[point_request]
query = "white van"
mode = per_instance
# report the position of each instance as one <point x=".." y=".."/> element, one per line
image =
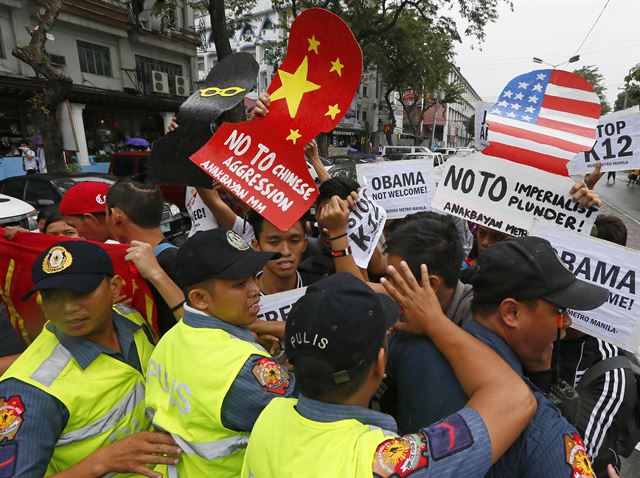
<point x="394" y="153"/>
<point x="15" y="212"/>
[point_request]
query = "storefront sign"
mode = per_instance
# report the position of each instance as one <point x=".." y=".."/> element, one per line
<point x="507" y="196"/>
<point x="608" y="265"/>
<point x="400" y="187"/>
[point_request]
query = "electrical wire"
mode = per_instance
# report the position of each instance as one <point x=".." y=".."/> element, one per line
<point x="592" y="27"/>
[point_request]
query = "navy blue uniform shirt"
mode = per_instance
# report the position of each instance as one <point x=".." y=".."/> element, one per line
<point x="428" y="390"/>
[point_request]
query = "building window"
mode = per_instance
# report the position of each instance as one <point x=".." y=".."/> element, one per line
<point x="364" y="116"/>
<point x="268" y="24"/>
<point x="247" y="33"/>
<point x="364" y="91"/>
<point x="94" y="59"/>
<point x="2" y="53"/>
<point x="144" y="67"/>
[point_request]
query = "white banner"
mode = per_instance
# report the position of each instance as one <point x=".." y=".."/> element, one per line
<point x="277" y="306"/>
<point x="481" y="125"/>
<point x="617" y="145"/>
<point x="365" y="228"/>
<point x="400" y="187"/>
<point x="611" y="266"/>
<point x="508" y="196"/>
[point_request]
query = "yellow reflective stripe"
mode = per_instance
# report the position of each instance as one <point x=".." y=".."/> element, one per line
<point x="53" y="366"/>
<point x="109" y="420"/>
<point x="213" y="449"/>
<point x="14" y="316"/>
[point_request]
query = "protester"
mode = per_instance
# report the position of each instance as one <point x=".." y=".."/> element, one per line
<point x="64" y="398"/>
<point x="56" y="225"/>
<point x="83" y="207"/>
<point x="633" y="177"/>
<point x="336" y="339"/>
<point x="134" y="212"/>
<point x="44" y="214"/>
<point x="221" y="378"/>
<point x="521" y="293"/>
<point x="29" y="160"/>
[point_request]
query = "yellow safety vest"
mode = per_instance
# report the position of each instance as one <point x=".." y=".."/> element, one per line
<point x="284" y="443"/>
<point x="190" y="373"/>
<point x="105" y="401"/>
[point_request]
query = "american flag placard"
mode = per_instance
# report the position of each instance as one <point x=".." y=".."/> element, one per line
<point x="542" y="119"/>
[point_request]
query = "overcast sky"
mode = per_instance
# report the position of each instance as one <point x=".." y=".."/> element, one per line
<point x="553" y="30"/>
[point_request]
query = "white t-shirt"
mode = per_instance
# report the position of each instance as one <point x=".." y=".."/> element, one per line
<point x="29" y="163"/>
<point x="202" y="219"/>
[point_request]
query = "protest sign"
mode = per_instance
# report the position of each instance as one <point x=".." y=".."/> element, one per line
<point x="617" y="146"/>
<point x="507" y="196"/>
<point x="262" y="161"/>
<point x="276" y="307"/>
<point x="481" y="126"/>
<point x="608" y="265"/>
<point x="225" y="86"/>
<point x="365" y="227"/>
<point x="542" y="119"/>
<point x="16" y="261"/>
<point x="400" y="187"/>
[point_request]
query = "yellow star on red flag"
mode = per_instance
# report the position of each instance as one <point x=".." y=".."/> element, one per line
<point x="337" y="67"/>
<point x="333" y="111"/>
<point x="294" y="134"/>
<point x="294" y="86"/>
<point x="313" y="44"/>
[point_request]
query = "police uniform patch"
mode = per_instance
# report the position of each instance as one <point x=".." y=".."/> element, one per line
<point x="401" y="456"/>
<point x="8" y="457"/>
<point x="576" y="457"/>
<point x="271" y="375"/>
<point x="10" y="417"/>
<point x="58" y="259"/>
<point x="448" y="437"/>
<point x="235" y="240"/>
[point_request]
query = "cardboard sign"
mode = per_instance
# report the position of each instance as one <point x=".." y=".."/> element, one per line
<point x="481" y="125"/>
<point x="400" y="187"/>
<point x="225" y="86"/>
<point x="365" y="228"/>
<point x="617" y="146"/>
<point x="608" y="265"/>
<point x="277" y="306"/>
<point x="262" y="161"/>
<point x="507" y="196"/>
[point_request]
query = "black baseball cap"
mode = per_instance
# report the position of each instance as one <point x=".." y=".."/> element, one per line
<point x="342" y="322"/>
<point x="76" y="266"/>
<point x="218" y="254"/>
<point x="527" y="268"/>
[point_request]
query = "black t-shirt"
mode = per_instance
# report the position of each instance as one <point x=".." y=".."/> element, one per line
<point x="10" y="341"/>
<point x="167" y="260"/>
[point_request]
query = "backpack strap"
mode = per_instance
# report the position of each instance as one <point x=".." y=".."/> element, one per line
<point x="163" y="246"/>
<point x="602" y="367"/>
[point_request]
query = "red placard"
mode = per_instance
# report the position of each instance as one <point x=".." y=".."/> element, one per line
<point x="262" y="161"/>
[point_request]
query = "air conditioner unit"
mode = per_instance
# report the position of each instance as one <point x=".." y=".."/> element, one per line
<point x="182" y="86"/>
<point x="159" y="82"/>
<point x="57" y="60"/>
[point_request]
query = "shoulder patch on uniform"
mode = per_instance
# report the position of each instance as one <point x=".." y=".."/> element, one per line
<point x="271" y="376"/>
<point x="576" y="457"/>
<point x="401" y="456"/>
<point x="8" y="458"/>
<point x="10" y="417"/>
<point x="448" y="437"/>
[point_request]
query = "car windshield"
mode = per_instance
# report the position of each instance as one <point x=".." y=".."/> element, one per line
<point x="67" y="182"/>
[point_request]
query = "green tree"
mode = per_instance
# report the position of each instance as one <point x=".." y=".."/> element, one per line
<point x="631" y="94"/>
<point x="595" y="79"/>
<point x="57" y="85"/>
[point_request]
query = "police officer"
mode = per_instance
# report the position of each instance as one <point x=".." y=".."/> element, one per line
<point x="208" y="380"/>
<point x="69" y="401"/>
<point x="521" y="294"/>
<point x="336" y="339"/>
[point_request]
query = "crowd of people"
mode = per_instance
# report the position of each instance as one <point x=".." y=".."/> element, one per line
<point x="451" y="354"/>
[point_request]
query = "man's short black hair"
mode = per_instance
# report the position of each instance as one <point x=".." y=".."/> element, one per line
<point x="141" y="201"/>
<point x="308" y="368"/>
<point x="55" y="217"/>
<point x="611" y="228"/>
<point x="257" y="222"/>
<point x="340" y="186"/>
<point x="47" y="212"/>
<point x="431" y="239"/>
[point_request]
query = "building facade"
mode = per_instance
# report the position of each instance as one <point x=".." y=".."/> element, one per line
<point x="128" y="77"/>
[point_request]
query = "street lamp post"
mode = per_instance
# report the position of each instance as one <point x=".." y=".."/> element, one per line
<point x="573" y="59"/>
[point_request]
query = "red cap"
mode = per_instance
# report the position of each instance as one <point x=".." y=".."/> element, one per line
<point x="84" y="197"/>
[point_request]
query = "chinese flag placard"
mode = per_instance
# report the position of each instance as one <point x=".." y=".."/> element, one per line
<point x="262" y="161"/>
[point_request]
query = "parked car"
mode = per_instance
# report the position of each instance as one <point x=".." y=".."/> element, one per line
<point x="41" y="190"/>
<point x="438" y="159"/>
<point x="464" y="151"/>
<point x="445" y="151"/>
<point x="344" y="170"/>
<point x="15" y="212"/>
<point x="133" y="163"/>
<point x="394" y="153"/>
